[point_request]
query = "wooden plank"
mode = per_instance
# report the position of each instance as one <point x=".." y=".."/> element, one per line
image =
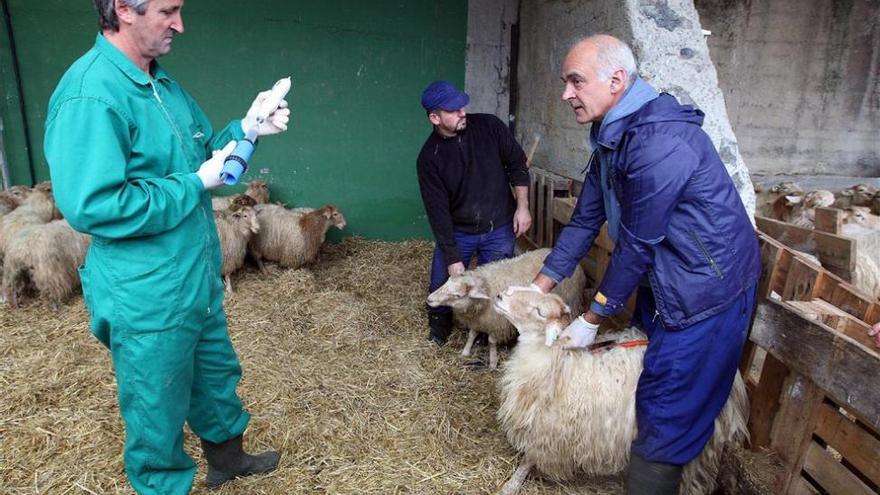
<point x="834" y="251"/>
<point x="563" y="208"/>
<point x="841" y="366"/>
<point x="800" y="486"/>
<point x="854" y="443"/>
<point x="542" y="207"/>
<point x="829" y="220"/>
<point x="851" y="300"/>
<point x="771" y="253"/>
<point x="872" y="314"/>
<point x="792" y="426"/>
<point x="801" y="282"/>
<point x="835" y="478"/>
<point x="765" y="401"/>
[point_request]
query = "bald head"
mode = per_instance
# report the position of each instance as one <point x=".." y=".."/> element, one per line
<point x="597" y="71"/>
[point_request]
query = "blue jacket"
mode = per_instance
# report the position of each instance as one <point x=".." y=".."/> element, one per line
<point x="682" y="223"/>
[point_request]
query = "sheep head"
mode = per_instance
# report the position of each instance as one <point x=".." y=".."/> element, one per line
<point x="242" y="201"/>
<point x="258" y="190"/>
<point x="333" y="216"/>
<point x="784" y="188"/>
<point x="820" y="198"/>
<point x="536" y="316"/>
<point x="246" y="218"/>
<point x="862" y="194"/>
<point x="461" y="291"/>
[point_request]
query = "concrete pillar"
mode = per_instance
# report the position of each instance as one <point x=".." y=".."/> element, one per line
<point x="487" y="69"/>
<point x="667" y="40"/>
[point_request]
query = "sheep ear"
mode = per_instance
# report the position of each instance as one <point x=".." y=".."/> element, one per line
<point x="478" y="292"/>
<point x="551" y="332"/>
<point x="539" y="313"/>
<point x="793" y="200"/>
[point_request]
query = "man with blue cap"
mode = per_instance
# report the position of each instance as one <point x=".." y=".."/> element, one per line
<point x="466" y="169"/>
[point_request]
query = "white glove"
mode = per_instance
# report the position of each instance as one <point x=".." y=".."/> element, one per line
<point x="209" y="171"/>
<point x="276" y="123"/>
<point x="580" y="333"/>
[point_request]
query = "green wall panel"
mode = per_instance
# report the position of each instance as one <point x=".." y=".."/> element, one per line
<point x="358" y="69"/>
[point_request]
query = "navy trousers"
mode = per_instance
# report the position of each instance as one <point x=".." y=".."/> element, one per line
<point x="686" y="379"/>
<point x="491" y="246"/>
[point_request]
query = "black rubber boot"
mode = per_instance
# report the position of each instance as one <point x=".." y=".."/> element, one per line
<point x="652" y="478"/>
<point x="228" y="460"/>
<point x="441" y="326"/>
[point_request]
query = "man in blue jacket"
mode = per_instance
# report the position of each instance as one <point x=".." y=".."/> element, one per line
<point x="683" y="240"/>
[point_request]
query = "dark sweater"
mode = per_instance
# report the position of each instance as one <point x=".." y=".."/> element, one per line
<point x="465" y="180"/>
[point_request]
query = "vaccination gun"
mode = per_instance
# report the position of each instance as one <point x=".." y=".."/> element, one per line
<point x="237" y="162"/>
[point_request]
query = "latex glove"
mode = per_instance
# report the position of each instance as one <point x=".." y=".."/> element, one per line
<point x="455" y="269"/>
<point x="580" y="333"/>
<point x="209" y="171"/>
<point x="275" y="124"/>
<point x="522" y="220"/>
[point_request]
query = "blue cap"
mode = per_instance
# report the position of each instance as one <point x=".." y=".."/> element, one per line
<point x="443" y="95"/>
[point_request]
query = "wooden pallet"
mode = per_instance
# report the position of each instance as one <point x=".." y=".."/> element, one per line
<point x="545" y="186"/>
<point x="815" y="403"/>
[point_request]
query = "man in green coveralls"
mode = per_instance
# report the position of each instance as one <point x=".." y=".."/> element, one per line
<point x="130" y="156"/>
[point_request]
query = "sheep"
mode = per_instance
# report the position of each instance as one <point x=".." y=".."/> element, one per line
<point x="235" y="228"/>
<point x="572" y="412"/>
<point x="764" y="199"/>
<point x="44" y="257"/>
<point x="857" y="195"/>
<point x="861" y="216"/>
<point x="12" y="198"/>
<point x="875" y="204"/>
<point x="291" y="238"/>
<point x="471" y="295"/>
<point x="803" y="213"/>
<point x="257" y="189"/>
<point x="783" y="206"/>
<point x="38" y="208"/>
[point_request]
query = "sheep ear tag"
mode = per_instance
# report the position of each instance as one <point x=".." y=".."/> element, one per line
<point x="551" y="333"/>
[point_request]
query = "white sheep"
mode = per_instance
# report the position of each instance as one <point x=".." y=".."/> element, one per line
<point x="44" y="258"/>
<point x="471" y="294"/>
<point x="256" y="189"/>
<point x="573" y="412"/>
<point x="764" y="199"/>
<point x="292" y="238"/>
<point x="235" y="229"/>
<point x="803" y="213"/>
<point x="38" y="208"/>
<point x="12" y="198"/>
<point x="857" y="195"/>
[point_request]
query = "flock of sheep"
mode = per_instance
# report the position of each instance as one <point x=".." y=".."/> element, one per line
<point x="568" y="412"/>
<point x="788" y="202"/>
<point x="41" y="253"/>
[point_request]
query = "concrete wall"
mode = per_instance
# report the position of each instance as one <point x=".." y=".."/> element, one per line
<point x="667" y="40"/>
<point x="802" y="82"/>
<point x="487" y="67"/>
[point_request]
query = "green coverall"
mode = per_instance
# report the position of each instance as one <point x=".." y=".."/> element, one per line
<point x="122" y="152"/>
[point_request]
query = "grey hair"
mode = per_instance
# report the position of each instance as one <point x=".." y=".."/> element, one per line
<point x="107" y="12"/>
<point x="613" y="54"/>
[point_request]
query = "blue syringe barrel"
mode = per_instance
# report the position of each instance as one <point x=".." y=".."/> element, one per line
<point x="237" y="162"/>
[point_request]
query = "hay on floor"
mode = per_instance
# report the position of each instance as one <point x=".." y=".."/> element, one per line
<point x="338" y="376"/>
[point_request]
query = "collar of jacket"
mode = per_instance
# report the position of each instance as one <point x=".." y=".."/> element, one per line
<point x="125" y="64"/>
<point x="609" y="131"/>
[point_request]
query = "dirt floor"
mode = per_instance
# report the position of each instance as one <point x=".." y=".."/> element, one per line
<point x="338" y="376"/>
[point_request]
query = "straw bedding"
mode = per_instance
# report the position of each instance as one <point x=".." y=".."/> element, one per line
<point x="337" y="375"/>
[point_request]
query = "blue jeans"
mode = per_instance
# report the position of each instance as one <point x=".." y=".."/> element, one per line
<point x="687" y="377"/>
<point x="491" y="246"/>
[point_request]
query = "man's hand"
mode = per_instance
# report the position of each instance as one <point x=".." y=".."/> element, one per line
<point x="580" y="333"/>
<point x="209" y="171"/>
<point x="522" y="220"/>
<point x="875" y="332"/>
<point x="543" y="282"/>
<point x="276" y="123"/>
<point x="456" y="269"/>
